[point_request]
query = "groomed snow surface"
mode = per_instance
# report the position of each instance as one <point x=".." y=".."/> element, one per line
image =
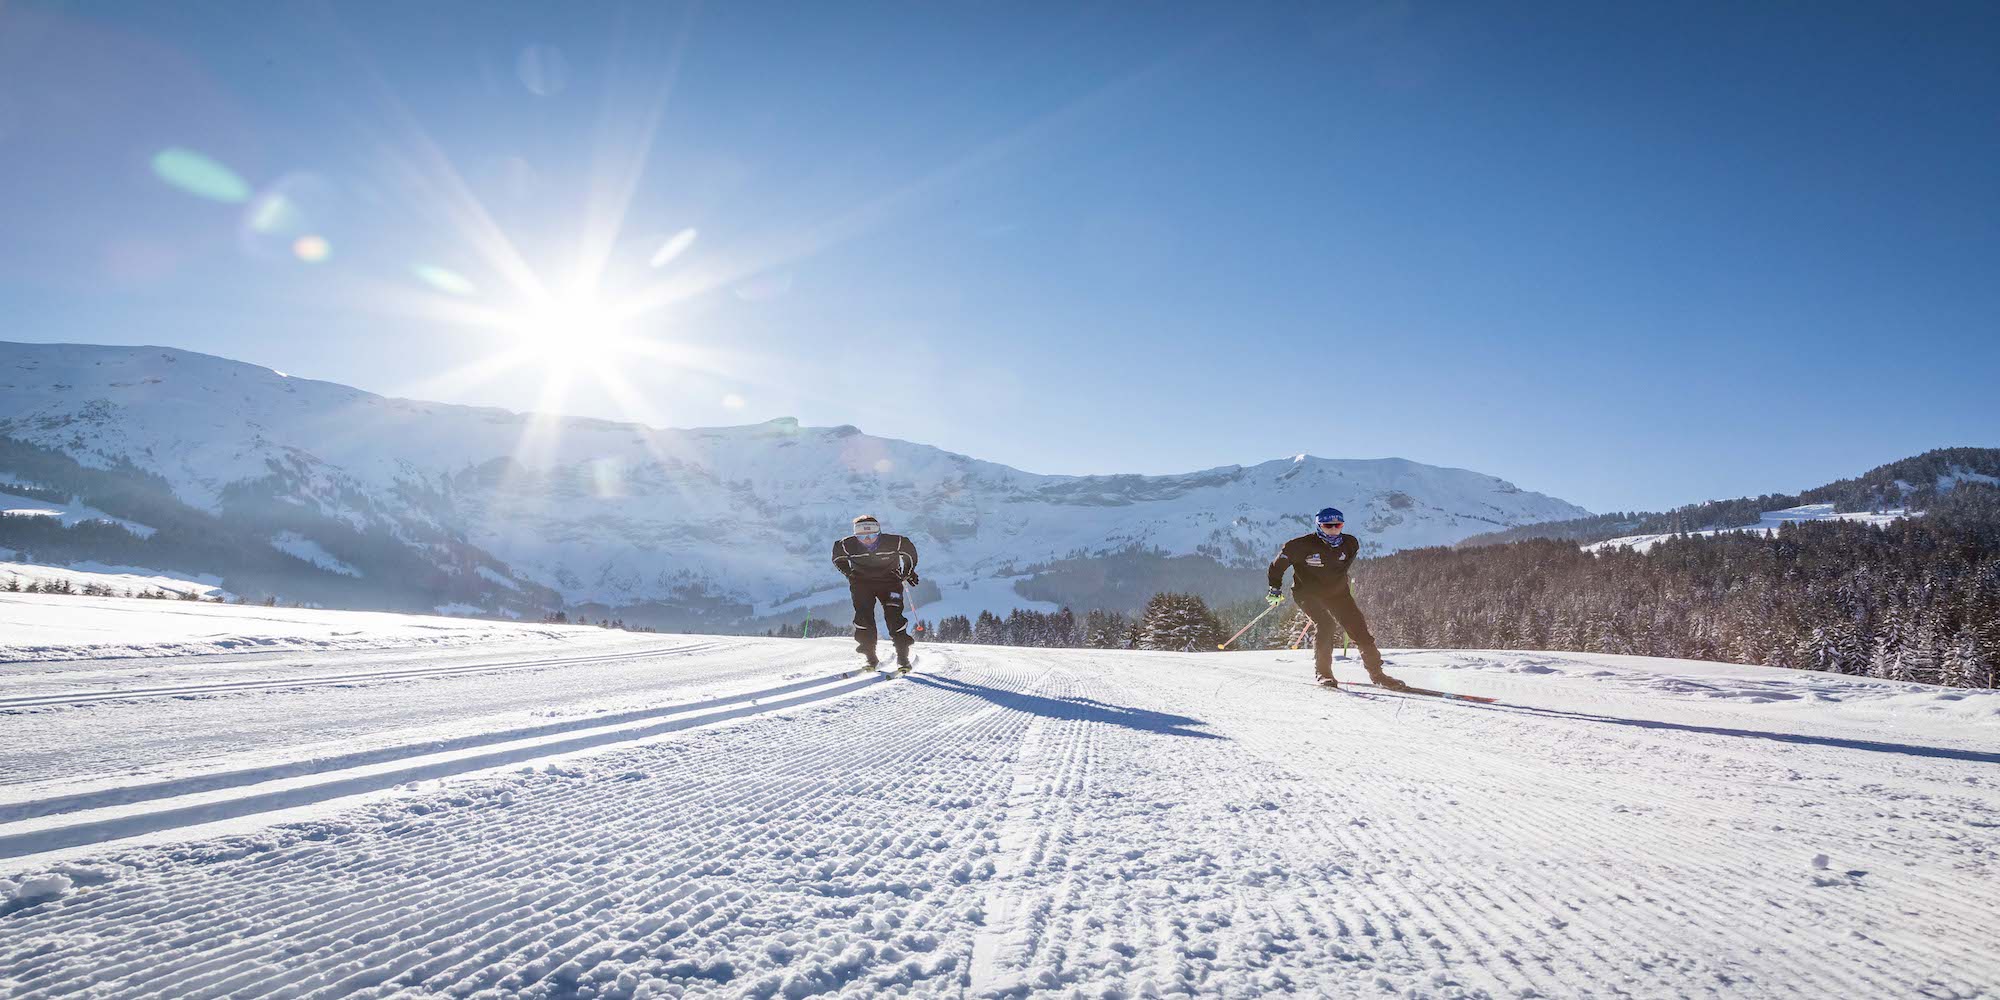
<point x="581" y="813"/>
<point x="53" y="627"/>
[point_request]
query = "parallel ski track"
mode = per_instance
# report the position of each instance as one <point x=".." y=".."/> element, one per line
<point x="66" y="700"/>
<point x="526" y="899"/>
<point x="208" y="781"/>
<point x="182" y="802"/>
<point x="1045" y="836"/>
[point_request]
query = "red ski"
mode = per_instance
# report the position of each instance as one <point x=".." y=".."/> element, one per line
<point x="1427" y="692"/>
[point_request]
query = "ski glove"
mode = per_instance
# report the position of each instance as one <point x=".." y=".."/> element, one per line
<point x="1275" y="596"/>
<point x="911" y="579"/>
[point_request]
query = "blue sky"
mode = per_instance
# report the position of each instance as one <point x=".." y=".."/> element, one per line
<point x="1629" y="255"/>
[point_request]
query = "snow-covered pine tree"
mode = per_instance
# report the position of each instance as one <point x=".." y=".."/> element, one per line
<point x="1064" y="629"/>
<point x="1179" y="622"/>
<point x="1819" y="650"/>
<point x="1925" y="651"/>
<point x="1288" y="631"/>
<point x="1097" y="629"/>
<point x="1416" y="628"/>
<point x="1452" y="635"/>
<point x="1567" y="633"/>
<point x="1023" y="628"/>
<point x="989" y="630"/>
<point x="1885" y="657"/>
<point x="1505" y="632"/>
<point x="1961" y="666"/>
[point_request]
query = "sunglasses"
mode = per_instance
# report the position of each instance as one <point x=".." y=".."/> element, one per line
<point x="1331" y="524"/>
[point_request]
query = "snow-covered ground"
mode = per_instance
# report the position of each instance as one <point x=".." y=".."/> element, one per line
<point x="651" y="815"/>
<point x="57" y="627"/>
<point x="1766" y="525"/>
<point x="120" y="579"/>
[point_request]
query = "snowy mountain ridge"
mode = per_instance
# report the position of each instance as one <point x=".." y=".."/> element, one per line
<point x="734" y="520"/>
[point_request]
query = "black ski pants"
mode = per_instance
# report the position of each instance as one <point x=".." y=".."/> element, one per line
<point x="866" y="593"/>
<point x="1336" y="609"/>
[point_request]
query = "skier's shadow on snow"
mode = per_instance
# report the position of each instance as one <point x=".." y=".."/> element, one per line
<point x="1840" y="742"/>
<point x="1074" y="709"/>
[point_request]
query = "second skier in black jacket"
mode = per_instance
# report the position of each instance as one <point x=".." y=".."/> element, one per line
<point x="878" y="567"/>
<point x="1320" y="562"/>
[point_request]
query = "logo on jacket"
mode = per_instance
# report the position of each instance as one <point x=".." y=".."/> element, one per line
<point x="1314" y="560"/>
<point x="1341" y="556"/>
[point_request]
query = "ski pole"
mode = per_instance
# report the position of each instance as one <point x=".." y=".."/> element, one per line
<point x="1300" y="641"/>
<point x="1246" y="627"/>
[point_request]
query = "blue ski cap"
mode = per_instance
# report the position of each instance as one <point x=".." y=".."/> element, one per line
<point x="1330" y="515"/>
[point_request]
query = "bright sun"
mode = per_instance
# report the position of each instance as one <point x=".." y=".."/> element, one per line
<point x="572" y="333"/>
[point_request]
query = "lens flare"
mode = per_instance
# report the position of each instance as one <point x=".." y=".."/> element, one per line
<point x="445" y="280"/>
<point x="311" y="248"/>
<point x="295" y="206"/>
<point x="673" y="247"/>
<point x="200" y="176"/>
<point x="272" y="213"/>
<point x="607" y="478"/>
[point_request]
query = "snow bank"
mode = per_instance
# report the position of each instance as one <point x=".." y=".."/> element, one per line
<point x="120" y="579"/>
<point x="58" y="627"/>
<point x="34" y="888"/>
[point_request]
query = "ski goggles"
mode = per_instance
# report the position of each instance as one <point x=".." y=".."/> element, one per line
<point x="867" y="532"/>
<point x="1331" y="524"/>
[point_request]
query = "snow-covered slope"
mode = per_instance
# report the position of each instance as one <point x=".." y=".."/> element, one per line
<point x="1767" y="525"/>
<point x="661" y="816"/>
<point x="70" y="513"/>
<point x="119" y="581"/>
<point x="622" y="514"/>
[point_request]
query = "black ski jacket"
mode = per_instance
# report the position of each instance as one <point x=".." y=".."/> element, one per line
<point x="1318" y="566"/>
<point x="892" y="560"/>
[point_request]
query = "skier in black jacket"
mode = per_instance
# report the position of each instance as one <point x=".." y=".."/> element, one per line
<point x="877" y="567"/>
<point x="1319" y="562"/>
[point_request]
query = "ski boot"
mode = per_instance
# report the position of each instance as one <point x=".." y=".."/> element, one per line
<point x="1382" y="680"/>
<point x="1326" y="681"/>
<point x="902" y="660"/>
